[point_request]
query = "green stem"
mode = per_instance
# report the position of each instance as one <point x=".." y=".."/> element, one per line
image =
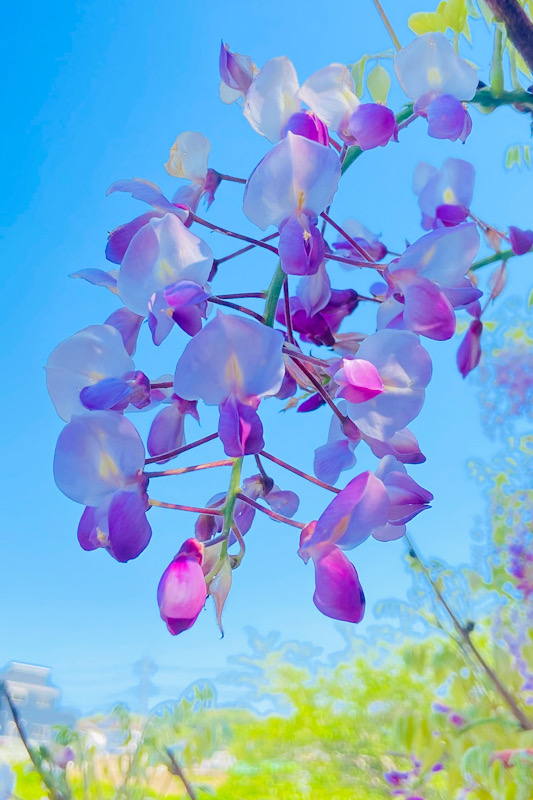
<point x="502" y="255"/>
<point x="234" y="487"/>
<point x="272" y="295"/>
<point x="496" y="67"/>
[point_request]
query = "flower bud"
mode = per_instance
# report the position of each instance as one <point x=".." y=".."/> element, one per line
<point x="181" y="592"/>
<point x="305" y="123"/>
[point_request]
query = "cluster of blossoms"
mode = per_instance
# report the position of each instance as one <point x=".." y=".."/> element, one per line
<point x="373" y="383"/>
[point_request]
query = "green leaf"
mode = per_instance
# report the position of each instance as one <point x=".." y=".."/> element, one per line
<point x="358" y="75"/>
<point x="455" y="14"/>
<point x="378" y="83"/>
<point x="513" y="157"/>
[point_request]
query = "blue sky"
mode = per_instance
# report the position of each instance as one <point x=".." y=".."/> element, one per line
<point x="99" y="91"/>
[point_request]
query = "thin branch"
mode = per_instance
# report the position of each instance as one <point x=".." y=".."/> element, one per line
<point x="386" y="22"/>
<point x="213" y="512"/>
<point x="179" y="450"/>
<point x="348" y="238"/>
<point x="231" y="178"/>
<point x="45" y="777"/>
<point x="162" y="385"/>
<point x="518" y="25"/>
<point x="299" y="472"/>
<point x="269" y="513"/>
<point x="353" y="263"/>
<point x="320" y="389"/>
<point x="288" y="317"/>
<point x="217" y="301"/>
<point x="175" y="769"/>
<point x="242" y="295"/>
<point x="218" y="261"/>
<point x="226" y="232"/>
<point x="464" y="634"/>
<point x="228" y="462"/>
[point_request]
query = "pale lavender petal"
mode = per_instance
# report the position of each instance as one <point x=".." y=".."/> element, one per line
<point x="98" y="277"/>
<point x="166" y="432"/>
<point x="87" y="528"/>
<point x="240" y="429"/>
<point x="463" y="294"/>
<point x="444" y="255"/>
<point x="314" y="291"/>
<point x="338" y="592"/>
<point x="272" y="98"/>
<point x="83" y="359"/>
<point x="119" y="239"/>
<point x="352" y="515"/>
<point x="295" y="174"/>
<point x="429" y="64"/>
<point x="231" y="355"/>
<point x="330" y="94"/>
<point x="162" y="252"/>
<point x="160" y="318"/>
<point x="236" y="70"/>
<point x="129" y="530"/>
<point x="403" y="445"/>
<point x="283" y="502"/>
<point x="301" y="245"/>
<point x="148" y="192"/>
<point x="389" y="533"/>
<point x="333" y="458"/>
<point x="128" y="325"/>
<point x="97" y="454"/>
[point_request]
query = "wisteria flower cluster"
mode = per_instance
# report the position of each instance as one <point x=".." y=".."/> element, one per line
<point x="294" y="350"/>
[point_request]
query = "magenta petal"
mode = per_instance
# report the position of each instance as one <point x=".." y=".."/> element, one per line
<point x="521" y="241"/>
<point x="305" y="123"/>
<point x="181" y="592"/>
<point x="469" y="352"/>
<point x="239" y="428"/>
<point x="359" y="380"/>
<point x="403" y="445"/>
<point x="129" y="530"/>
<point x="407" y="497"/>
<point x="338" y="592"/>
<point x="373" y="125"/>
<point x="167" y="431"/>
<point x="352" y="515"/>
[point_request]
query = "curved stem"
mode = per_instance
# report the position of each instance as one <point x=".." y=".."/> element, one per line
<point x="320" y="389"/>
<point x="353" y="263"/>
<point x="162" y="385"/>
<point x="233" y="493"/>
<point x="464" y="634"/>
<point x="503" y="255"/>
<point x="179" y="450"/>
<point x="213" y="512"/>
<point x="226" y="232"/>
<point x="269" y="513"/>
<point x="386" y="22"/>
<point x="348" y="238"/>
<point x="196" y="468"/>
<point x="231" y="178"/>
<point x="217" y="301"/>
<point x="299" y="472"/>
<point x="218" y="261"/>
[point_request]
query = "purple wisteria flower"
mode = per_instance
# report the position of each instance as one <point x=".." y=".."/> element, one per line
<point x="237" y="72"/>
<point x="99" y="462"/>
<point x="182" y="592"/>
<point x="85" y="359"/>
<point x="406" y="499"/>
<point x="232" y="363"/>
<point x="305" y="123"/>
<point x="445" y="194"/>
<point x="404" y="369"/>
<point x="289" y="188"/>
<point x="429" y="281"/>
<point x="272" y="98"/>
<point x="437" y="80"/>
<point x="373" y="125"/>
<point x="330" y="94"/>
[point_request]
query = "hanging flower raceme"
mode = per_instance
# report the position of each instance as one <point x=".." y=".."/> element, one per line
<point x="99" y="461"/>
<point x="182" y="591"/>
<point x="445" y="194"/>
<point x="437" y="80"/>
<point x="289" y="188"/>
<point x="232" y="363"/>
<point x="429" y="281"/>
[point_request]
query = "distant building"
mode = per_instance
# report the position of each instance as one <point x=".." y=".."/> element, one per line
<point x="36" y="700"/>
